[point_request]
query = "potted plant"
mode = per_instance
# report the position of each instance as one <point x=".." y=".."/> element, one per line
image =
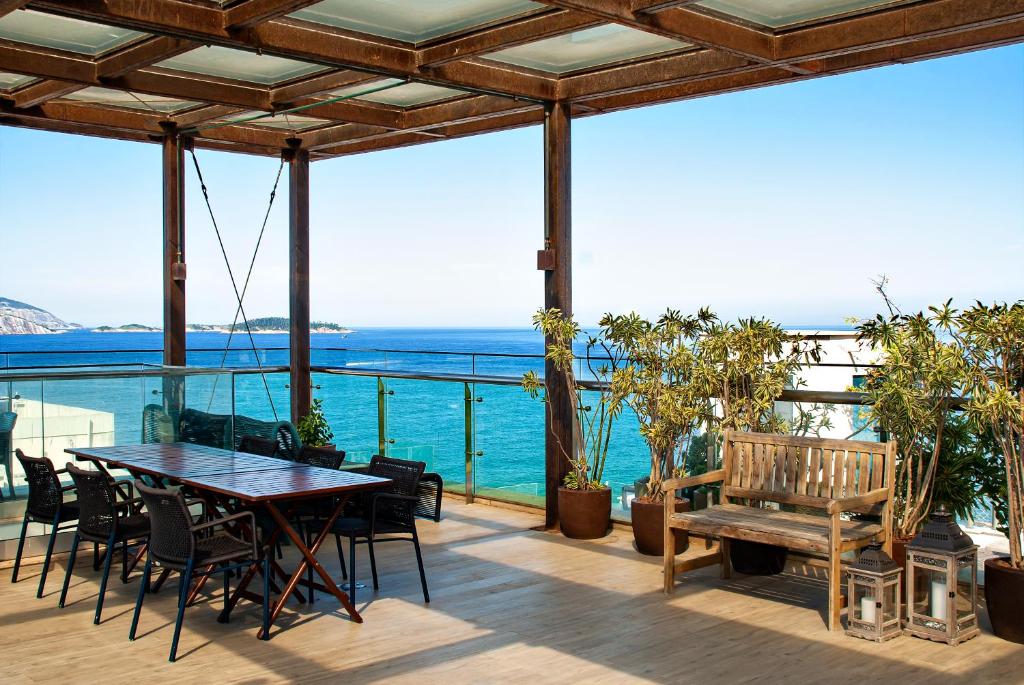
<point x="992" y="340"/>
<point x="909" y="400"/>
<point x="313" y="428"/>
<point x="584" y="501"/>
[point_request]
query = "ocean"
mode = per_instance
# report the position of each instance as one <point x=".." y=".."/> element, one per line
<point x="424" y="420"/>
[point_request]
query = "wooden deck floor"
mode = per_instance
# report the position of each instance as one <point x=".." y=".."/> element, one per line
<point x="510" y="604"/>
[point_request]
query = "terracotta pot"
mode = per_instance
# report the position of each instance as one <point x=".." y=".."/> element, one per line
<point x="584" y="514"/>
<point x="1004" y="597"/>
<point x="649" y="527"/>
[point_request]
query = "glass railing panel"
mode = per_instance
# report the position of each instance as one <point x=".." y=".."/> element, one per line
<point x="350" y="407"/>
<point x="508" y="460"/>
<point x="262" y="396"/>
<point x="84" y="359"/>
<point x="355" y="360"/>
<point x="426" y="422"/>
<point x="515" y="366"/>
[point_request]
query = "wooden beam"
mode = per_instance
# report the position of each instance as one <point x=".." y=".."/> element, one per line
<point x="660" y="71"/>
<point x="252" y="12"/>
<point x="42" y="91"/>
<point x="173" y="247"/>
<point x="298" y="281"/>
<point x="526" y="30"/>
<point x="558" y="417"/>
<point x="297" y="40"/>
<point x="142" y="54"/>
<point x="8" y="6"/>
<point x="680" y="24"/>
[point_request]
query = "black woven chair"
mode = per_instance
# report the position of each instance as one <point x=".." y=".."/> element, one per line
<point x="7" y="421"/>
<point x="383" y="516"/>
<point x="45" y="505"/>
<point x="429" y="494"/>
<point x="324" y="457"/>
<point x="102" y="518"/>
<point x="196" y="549"/>
<point x="254" y="444"/>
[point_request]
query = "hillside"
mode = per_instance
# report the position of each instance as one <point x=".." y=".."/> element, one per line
<point x="21" y="318"/>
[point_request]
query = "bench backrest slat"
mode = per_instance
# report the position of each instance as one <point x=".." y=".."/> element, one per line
<point x="801" y="470"/>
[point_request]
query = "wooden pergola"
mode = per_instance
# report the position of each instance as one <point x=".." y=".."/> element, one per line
<point x="314" y="79"/>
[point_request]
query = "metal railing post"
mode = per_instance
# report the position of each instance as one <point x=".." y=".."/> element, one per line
<point x="470" y="447"/>
<point x="382" y="425"/>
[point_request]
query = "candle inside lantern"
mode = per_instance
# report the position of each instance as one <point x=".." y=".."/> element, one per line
<point x="867" y="609"/>
<point x="938" y="600"/>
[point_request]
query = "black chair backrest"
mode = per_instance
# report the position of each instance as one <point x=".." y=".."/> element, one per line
<point x="44" y="489"/>
<point x="282" y="431"/>
<point x="254" y="444"/>
<point x="429" y="492"/>
<point x="171" y="541"/>
<point x="202" y="428"/>
<point x="324" y="457"/>
<point x="405" y="476"/>
<point x="97" y="503"/>
<point x="157" y="425"/>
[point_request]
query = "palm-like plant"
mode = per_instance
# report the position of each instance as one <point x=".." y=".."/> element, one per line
<point x="592" y="425"/>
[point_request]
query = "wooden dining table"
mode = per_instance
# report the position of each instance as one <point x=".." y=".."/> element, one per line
<point x="227" y="480"/>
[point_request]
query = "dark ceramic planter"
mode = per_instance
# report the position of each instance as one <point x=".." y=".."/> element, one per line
<point x="1004" y="597"/>
<point x="584" y="514"/>
<point x="757" y="559"/>
<point x="649" y="527"/>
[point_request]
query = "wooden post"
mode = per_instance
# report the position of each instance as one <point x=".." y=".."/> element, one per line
<point x="558" y="434"/>
<point x="174" y="246"/>
<point x="173" y="265"/>
<point x="298" y="281"/>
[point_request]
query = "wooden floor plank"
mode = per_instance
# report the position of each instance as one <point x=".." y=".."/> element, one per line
<point x="510" y="604"/>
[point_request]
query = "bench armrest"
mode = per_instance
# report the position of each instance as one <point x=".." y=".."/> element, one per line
<point x="703" y="479"/>
<point x="836" y="506"/>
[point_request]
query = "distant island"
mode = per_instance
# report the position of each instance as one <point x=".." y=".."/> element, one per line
<point x="21" y="318"/>
<point x="263" y="325"/>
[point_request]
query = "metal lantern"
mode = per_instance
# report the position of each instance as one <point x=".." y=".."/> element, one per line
<point x="873" y="591"/>
<point x="942" y="582"/>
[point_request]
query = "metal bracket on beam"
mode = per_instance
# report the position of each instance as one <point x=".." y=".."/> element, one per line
<point x="546" y="260"/>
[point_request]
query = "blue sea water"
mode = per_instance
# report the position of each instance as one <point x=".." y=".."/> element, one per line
<point x="424" y="420"/>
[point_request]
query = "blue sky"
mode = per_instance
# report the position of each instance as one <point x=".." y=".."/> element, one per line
<point x="782" y="202"/>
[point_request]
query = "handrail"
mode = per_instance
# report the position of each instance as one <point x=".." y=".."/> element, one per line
<point x="158" y="372"/>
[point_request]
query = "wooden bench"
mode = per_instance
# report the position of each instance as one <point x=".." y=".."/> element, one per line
<point x="835" y="476"/>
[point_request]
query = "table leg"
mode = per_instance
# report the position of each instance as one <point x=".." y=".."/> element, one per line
<point x="309" y="558"/>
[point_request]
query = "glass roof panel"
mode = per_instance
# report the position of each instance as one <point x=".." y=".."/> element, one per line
<point x="120" y="98"/>
<point x="407" y="95"/>
<point x="412" y="21"/>
<point x="63" y="33"/>
<point x="240" y="65"/>
<point x="290" y="122"/>
<point x="12" y="81"/>
<point x="587" y="48"/>
<point x="778" y="13"/>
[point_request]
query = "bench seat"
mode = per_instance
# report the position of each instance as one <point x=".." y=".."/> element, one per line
<point x="801" y="532"/>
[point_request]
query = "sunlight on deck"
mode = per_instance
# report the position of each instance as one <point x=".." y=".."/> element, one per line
<point x="510" y="604"/>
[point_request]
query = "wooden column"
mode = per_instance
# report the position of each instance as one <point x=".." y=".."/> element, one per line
<point x="557" y="293"/>
<point x="174" y="246"/>
<point x="174" y="266"/>
<point x="298" y="280"/>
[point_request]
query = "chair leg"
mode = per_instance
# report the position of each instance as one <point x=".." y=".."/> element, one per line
<point x="95" y="556"/>
<point x="266" y="596"/>
<point x="146" y="571"/>
<point x="21" y="548"/>
<point x="419" y="562"/>
<point x="46" y="561"/>
<point x="227" y="592"/>
<point x="67" y="574"/>
<point x="124" y="562"/>
<point x="352" y="568"/>
<point x="107" y="559"/>
<point x="341" y="557"/>
<point x="186" y="583"/>
<point x="373" y="564"/>
<point x="834" y="575"/>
